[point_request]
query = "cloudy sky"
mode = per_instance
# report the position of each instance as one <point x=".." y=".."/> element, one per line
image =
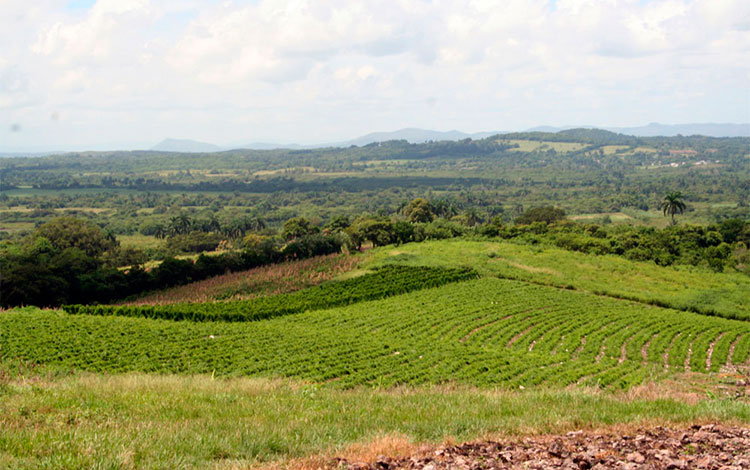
<point x="128" y="73"/>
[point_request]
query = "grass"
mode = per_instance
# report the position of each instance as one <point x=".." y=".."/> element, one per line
<point x="137" y="421"/>
<point x="265" y="280"/>
<point x="16" y="226"/>
<point x="139" y="241"/>
<point x="532" y="145"/>
<point x="680" y="287"/>
<point x="613" y="216"/>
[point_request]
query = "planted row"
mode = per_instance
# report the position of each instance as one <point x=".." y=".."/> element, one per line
<point x="384" y="282"/>
<point x="485" y="332"/>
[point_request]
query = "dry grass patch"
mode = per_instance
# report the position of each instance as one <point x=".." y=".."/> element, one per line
<point x="265" y="280"/>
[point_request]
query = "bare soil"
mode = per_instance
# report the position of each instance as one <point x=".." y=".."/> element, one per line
<point x="711" y="446"/>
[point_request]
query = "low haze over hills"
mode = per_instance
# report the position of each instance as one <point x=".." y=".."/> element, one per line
<point x="415" y="135"/>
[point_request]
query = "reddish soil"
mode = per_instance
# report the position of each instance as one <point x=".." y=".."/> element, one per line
<point x="698" y="447"/>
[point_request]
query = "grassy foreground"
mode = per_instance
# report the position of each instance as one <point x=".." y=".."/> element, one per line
<point x="184" y="422"/>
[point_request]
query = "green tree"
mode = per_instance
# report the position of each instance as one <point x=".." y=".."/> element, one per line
<point x="672" y="204"/>
<point x="297" y="227"/>
<point x="70" y="232"/>
<point x="472" y="217"/>
<point x="419" y="210"/>
<point x="546" y="214"/>
<point x="378" y="231"/>
<point x="180" y="225"/>
<point x="338" y="224"/>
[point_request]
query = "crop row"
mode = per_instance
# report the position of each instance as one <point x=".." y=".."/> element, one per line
<point x="484" y="332"/>
<point x="384" y="282"/>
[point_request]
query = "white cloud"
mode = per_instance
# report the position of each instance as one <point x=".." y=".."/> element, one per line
<point x="305" y="70"/>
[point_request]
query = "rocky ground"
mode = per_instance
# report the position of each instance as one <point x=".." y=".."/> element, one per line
<point x="698" y="447"/>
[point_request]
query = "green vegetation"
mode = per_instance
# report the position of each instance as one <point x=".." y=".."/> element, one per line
<point x="70" y="260"/>
<point x="476" y="306"/>
<point x="682" y="287"/>
<point x="580" y="171"/>
<point x="384" y="282"/>
<point x="673" y="204"/>
<point x="487" y="333"/>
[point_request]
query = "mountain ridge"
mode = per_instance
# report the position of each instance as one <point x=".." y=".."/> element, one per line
<point x="417" y="135"/>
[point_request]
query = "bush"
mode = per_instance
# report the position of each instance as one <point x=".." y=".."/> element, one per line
<point x="193" y="242"/>
<point x="546" y="214"/>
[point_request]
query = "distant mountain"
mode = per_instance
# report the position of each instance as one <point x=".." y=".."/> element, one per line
<point x="556" y="129"/>
<point x="269" y="146"/>
<point x="414" y="136"/>
<point x="709" y="129"/>
<point x="27" y="154"/>
<point x="417" y="136"/>
<point x="654" y="129"/>
<point x="185" y="146"/>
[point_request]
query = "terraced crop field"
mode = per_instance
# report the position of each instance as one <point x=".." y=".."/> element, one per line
<point x="484" y="332"/>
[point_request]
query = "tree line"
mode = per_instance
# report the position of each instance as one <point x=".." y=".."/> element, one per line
<point x="71" y="260"/>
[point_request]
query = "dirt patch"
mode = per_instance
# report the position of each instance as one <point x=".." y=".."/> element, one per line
<point x="710" y="446"/>
<point x="478" y="329"/>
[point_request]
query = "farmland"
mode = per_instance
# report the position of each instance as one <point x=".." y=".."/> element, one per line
<point x="281" y="309"/>
<point x="486" y="333"/>
<point x="470" y="358"/>
<point x="680" y="287"/>
<point x="186" y="422"/>
<point x="386" y="281"/>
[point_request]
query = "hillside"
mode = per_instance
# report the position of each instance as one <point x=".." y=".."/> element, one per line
<point x="482" y="332"/>
<point x="682" y="287"/>
<point x="380" y="360"/>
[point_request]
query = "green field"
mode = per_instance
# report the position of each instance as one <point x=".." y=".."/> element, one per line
<point x="679" y="287"/>
<point x="486" y="333"/>
<point x="541" y="342"/>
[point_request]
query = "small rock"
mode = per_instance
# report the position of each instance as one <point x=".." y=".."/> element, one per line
<point x="676" y="464"/>
<point x="635" y="457"/>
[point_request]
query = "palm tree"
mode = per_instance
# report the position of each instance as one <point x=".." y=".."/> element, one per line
<point x="673" y="204"/>
<point x="180" y="225"/>
<point x="161" y="232"/>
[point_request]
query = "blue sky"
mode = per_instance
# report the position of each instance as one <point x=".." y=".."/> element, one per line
<point x="128" y="73"/>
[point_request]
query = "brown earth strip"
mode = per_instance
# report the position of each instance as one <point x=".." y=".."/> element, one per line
<point x="480" y="328"/>
<point x="729" y="366"/>
<point x="709" y="446"/>
<point x="518" y="336"/>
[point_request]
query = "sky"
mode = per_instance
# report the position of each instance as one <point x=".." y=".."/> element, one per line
<point x="125" y="74"/>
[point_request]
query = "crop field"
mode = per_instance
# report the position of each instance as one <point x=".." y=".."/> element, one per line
<point x="386" y="281"/>
<point x="406" y="350"/>
<point x="485" y="332"/>
<point x="532" y="145"/>
<point x="680" y="287"/>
